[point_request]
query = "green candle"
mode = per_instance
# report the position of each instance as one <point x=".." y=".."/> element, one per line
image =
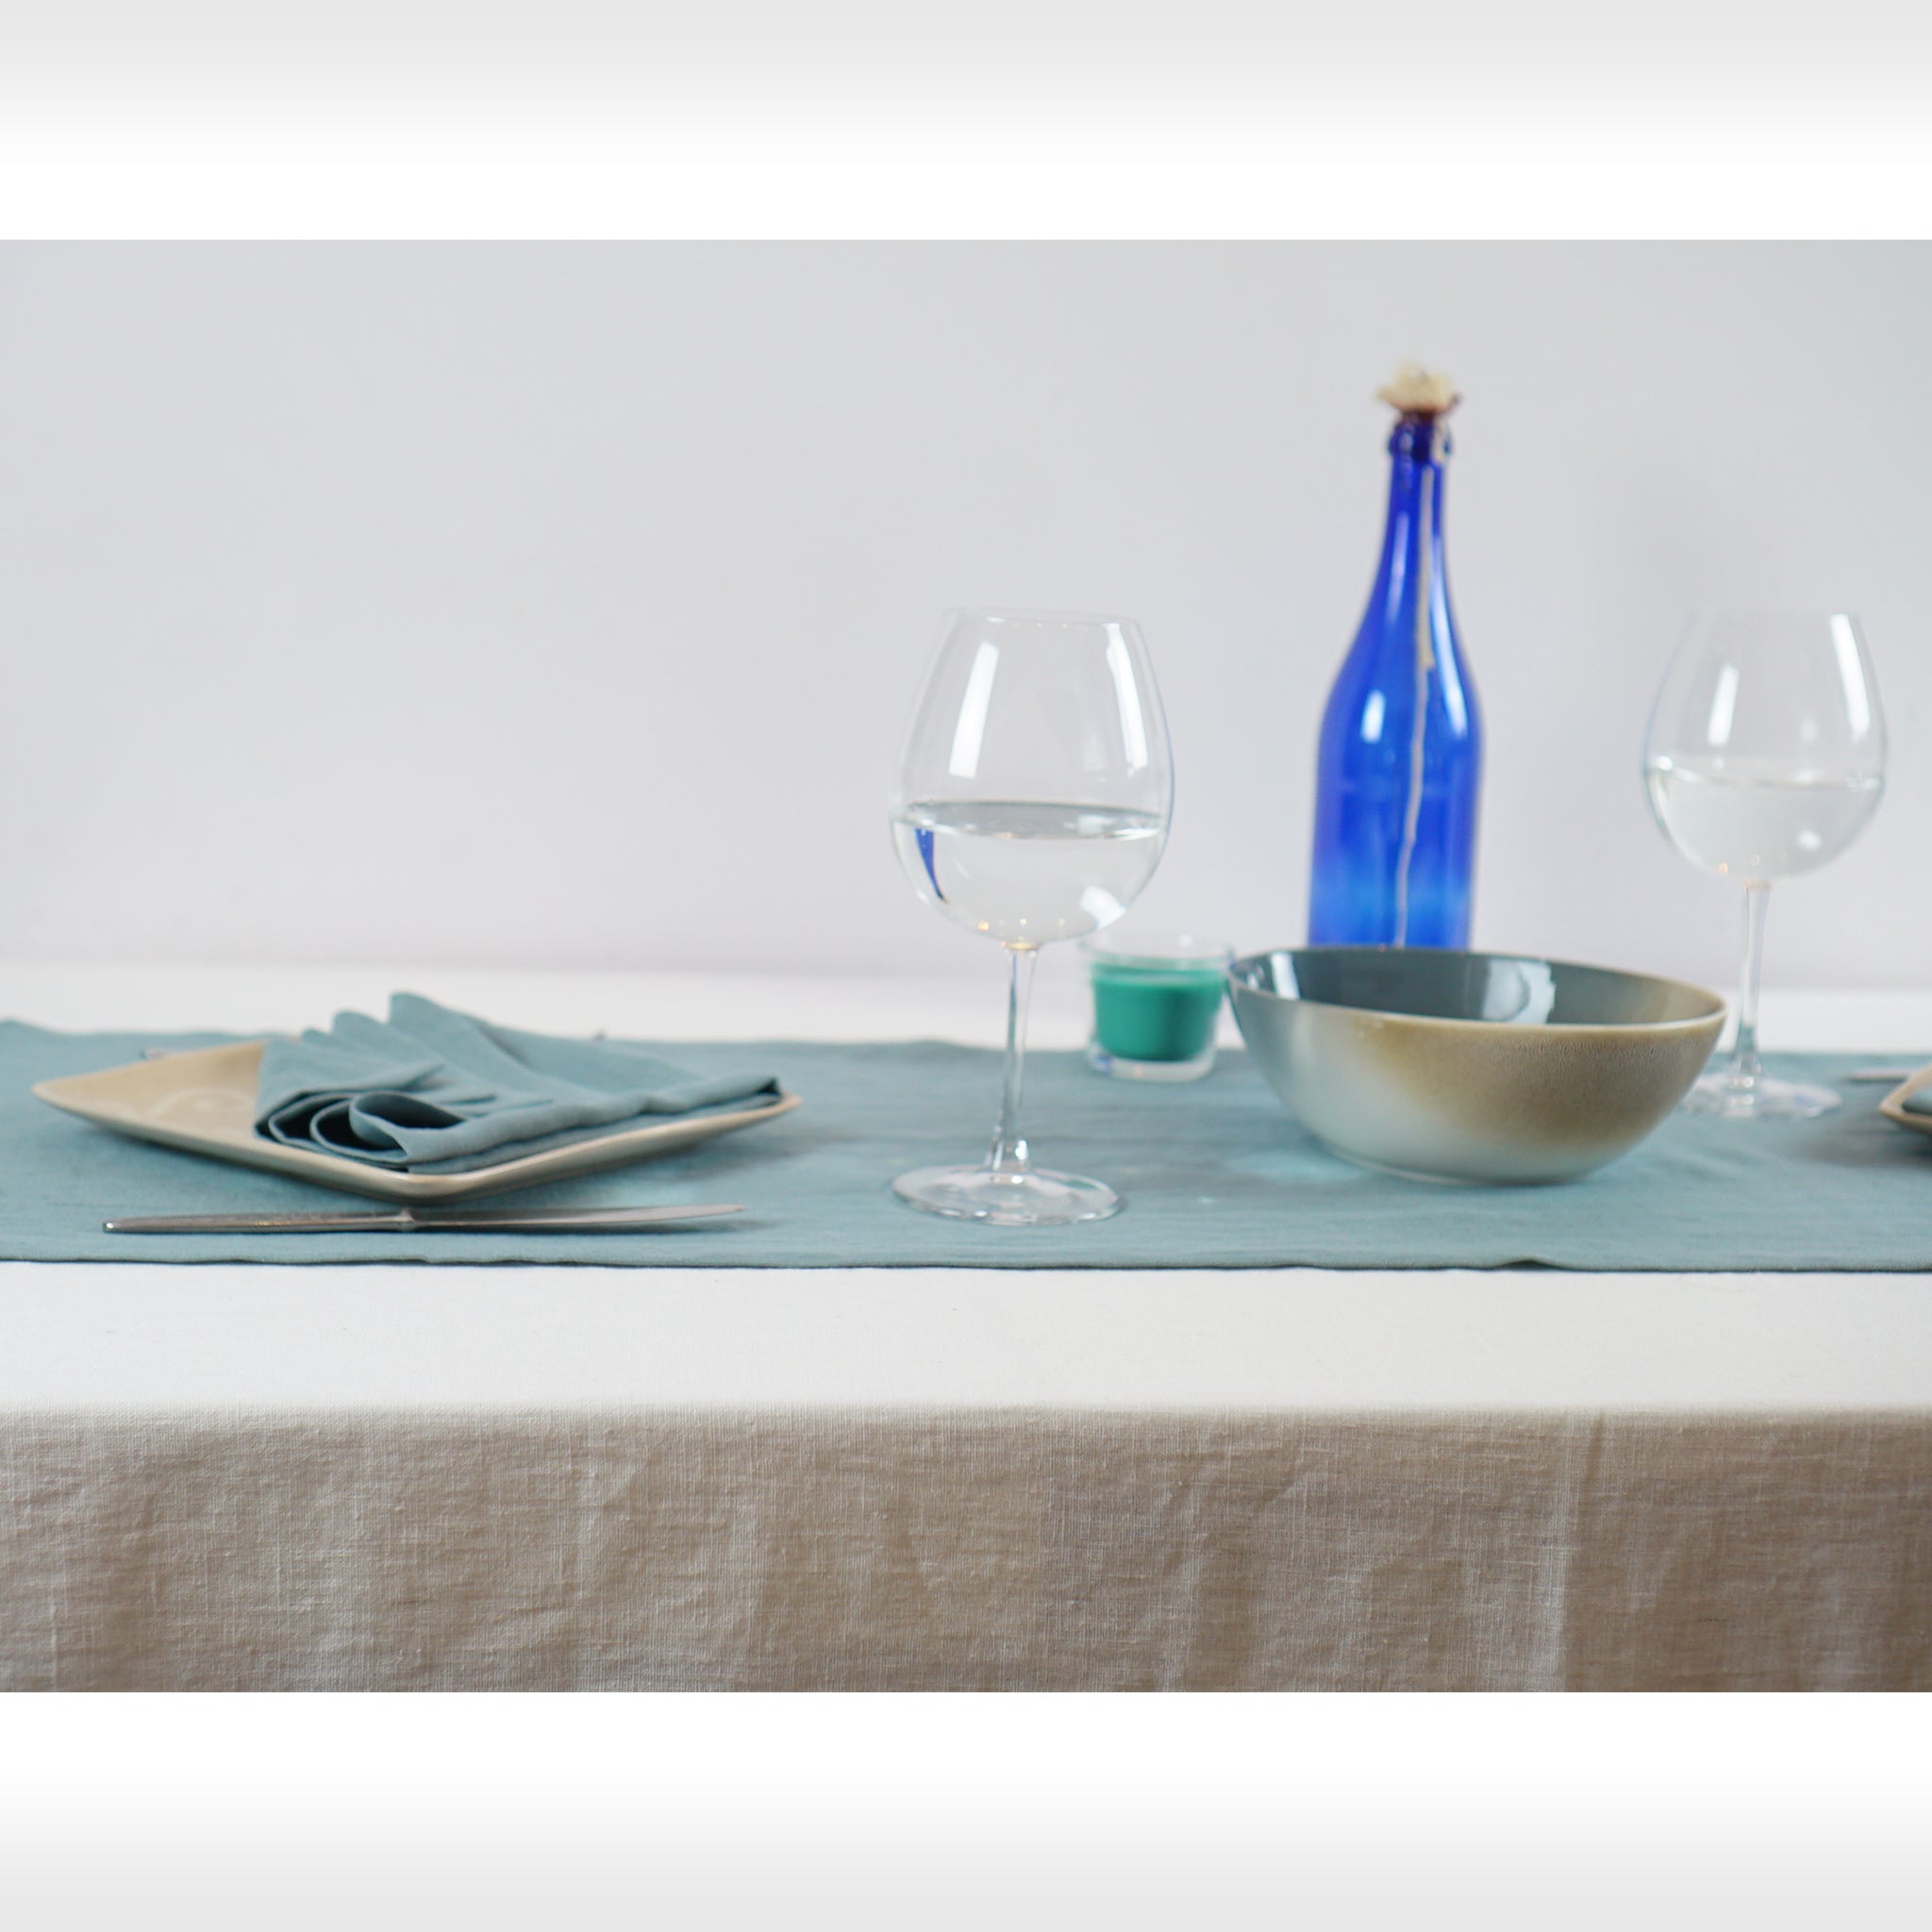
<point x="1155" y="1016"/>
<point x="1155" y="1006"/>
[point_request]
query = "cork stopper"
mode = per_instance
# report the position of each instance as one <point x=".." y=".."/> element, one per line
<point x="1419" y="391"/>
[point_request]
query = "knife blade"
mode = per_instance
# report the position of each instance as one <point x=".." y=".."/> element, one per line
<point x="423" y="1220"/>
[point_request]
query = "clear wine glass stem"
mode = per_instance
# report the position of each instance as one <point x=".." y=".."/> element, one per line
<point x="1007" y="1154"/>
<point x="1746" y="1067"/>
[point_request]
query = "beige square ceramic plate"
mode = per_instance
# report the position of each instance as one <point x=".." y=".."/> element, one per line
<point x="204" y="1101"/>
<point x="1893" y="1105"/>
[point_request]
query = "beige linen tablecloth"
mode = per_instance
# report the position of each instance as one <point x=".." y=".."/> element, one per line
<point x="550" y="1479"/>
<point x="1020" y="1551"/>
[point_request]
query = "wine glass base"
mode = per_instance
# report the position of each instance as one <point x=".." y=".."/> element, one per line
<point x="1758" y="1098"/>
<point x="1032" y="1198"/>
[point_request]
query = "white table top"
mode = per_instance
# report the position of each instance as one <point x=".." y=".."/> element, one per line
<point x="115" y="1337"/>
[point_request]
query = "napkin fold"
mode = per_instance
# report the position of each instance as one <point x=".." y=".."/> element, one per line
<point x="436" y="1092"/>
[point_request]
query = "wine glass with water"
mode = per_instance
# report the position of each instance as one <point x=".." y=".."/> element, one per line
<point x="1765" y="759"/>
<point x="1032" y="806"/>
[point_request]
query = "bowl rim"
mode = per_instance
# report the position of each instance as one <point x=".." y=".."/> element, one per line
<point x="1720" y="1008"/>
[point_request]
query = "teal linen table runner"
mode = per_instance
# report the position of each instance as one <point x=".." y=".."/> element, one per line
<point x="1216" y="1175"/>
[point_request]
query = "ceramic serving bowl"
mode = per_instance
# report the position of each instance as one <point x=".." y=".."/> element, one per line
<point x="1471" y="1066"/>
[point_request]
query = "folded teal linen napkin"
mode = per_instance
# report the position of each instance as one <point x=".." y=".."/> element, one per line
<point x="436" y="1092"/>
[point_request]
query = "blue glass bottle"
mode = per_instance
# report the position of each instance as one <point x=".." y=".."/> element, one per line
<point x="1396" y="789"/>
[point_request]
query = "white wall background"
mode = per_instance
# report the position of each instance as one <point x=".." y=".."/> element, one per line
<point x="565" y="605"/>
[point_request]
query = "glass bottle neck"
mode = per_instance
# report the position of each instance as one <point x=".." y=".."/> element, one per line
<point x="1418" y="460"/>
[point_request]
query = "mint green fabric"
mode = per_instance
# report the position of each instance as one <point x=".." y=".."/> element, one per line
<point x="429" y="1091"/>
<point x="1215" y="1172"/>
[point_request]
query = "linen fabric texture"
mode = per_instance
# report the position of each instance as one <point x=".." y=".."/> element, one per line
<point x="434" y="1091"/>
<point x="1020" y="1550"/>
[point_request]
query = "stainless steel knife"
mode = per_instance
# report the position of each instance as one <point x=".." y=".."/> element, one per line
<point x="423" y="1220"/>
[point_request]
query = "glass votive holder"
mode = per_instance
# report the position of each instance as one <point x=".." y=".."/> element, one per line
<point x="1156" y="999"/>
